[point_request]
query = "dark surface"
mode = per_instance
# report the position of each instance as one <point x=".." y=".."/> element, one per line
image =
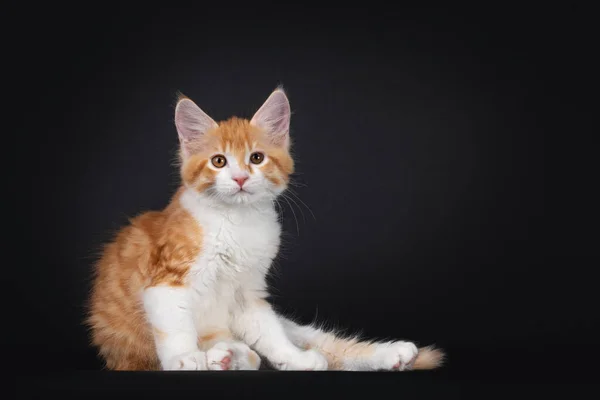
<point x="288" y="385"/>
<point x="420" y="139"/>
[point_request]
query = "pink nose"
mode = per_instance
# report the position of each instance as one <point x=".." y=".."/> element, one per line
<point x="241" y="180"/>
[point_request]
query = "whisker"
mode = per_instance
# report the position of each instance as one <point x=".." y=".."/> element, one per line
<point x="296" y="204"/>
<point x="293" y="213"/>
<point x="297" y="184"/>
<point x="279" y="208"/>
<point x="300" y="200"/>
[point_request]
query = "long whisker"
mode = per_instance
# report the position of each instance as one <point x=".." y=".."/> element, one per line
<point x="300" y="200"/>
<point x="294" y="213"/>
<point x="297" y="184"/>
<point x="296" y="204"/>
<point x="279" y="208"/>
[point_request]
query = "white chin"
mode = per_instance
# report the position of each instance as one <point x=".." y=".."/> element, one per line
<point x="240" y="197"/>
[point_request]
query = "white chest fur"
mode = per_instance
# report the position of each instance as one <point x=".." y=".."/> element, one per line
<point x="238" y="246"/>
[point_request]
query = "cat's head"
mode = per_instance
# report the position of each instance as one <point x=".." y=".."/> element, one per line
<point x="237" y="161"/>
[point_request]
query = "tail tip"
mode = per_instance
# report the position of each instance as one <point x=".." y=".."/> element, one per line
<point x="429" y="357"/>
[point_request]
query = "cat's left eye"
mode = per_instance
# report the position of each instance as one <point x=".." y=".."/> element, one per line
<point x="219" y="161"/>
<point x="257" y="158"/>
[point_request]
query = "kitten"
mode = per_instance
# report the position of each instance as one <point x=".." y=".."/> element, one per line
<point x="184" y="288"/>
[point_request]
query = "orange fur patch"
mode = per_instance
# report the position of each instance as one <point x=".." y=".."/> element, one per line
<point x="262" y="303"/>
<point x="253" y="358"/>
<point x="207" y="340"/>
<point x="160" y="335"/>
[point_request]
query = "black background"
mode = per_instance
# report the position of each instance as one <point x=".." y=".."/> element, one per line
<point x="420" y="140"/>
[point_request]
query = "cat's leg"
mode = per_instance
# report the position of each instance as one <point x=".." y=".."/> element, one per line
<point x="257" y="325"/>
<point x="351" y="354"/>
<point x="223" y="352"/>
<point x="169" y="313"/>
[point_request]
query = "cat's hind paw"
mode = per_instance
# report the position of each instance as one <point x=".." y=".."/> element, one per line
<point x="396" y="356"/>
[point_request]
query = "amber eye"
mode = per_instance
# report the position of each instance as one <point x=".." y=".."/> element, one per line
<point x="257" y="158"/>
<point x="219" y="161"/>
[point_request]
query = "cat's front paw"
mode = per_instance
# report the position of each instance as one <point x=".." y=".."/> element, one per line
<point x="396" y="356"/>
<point x="192" y="361"/>
<point x="232" y="356"/>
<point x="309" y="360"/>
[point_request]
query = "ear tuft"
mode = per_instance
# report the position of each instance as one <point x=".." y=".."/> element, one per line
<point x="274" y="118"/>
<point x="180" y="96"/>
<point x="192" y="123"/>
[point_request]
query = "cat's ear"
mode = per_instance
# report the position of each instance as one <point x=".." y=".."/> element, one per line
<point x="192" y="123"/>
<point x="274" y="118"/>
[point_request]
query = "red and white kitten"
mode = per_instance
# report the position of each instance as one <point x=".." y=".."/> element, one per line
<point x="184" y="288"/>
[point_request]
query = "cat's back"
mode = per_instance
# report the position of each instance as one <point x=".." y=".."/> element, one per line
<point x="132" y="246"/>
<point x="141" y="251"/>
<point x="136" y="247"/>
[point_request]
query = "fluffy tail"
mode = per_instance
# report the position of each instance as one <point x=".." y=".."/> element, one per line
<point x="429" y="358"/>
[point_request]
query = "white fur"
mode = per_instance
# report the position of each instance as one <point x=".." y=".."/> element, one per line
<point x="168" y="311"/>
<point x="260" y="327"/>
<point x="395" y="355"/>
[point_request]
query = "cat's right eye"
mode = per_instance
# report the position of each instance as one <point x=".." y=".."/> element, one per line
<point x="219" y="161"/>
